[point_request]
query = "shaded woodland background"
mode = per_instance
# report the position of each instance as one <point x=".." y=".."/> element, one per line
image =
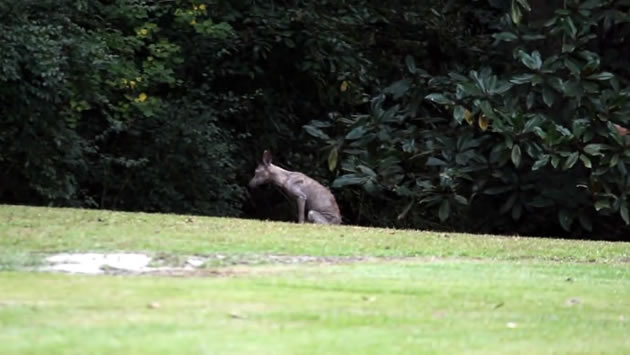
<point x="480" y="116"/>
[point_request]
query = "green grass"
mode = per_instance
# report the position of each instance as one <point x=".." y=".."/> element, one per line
<point x="429" y="293"/>
<point x="373" y="308"/>
<point x="35" y="230"/>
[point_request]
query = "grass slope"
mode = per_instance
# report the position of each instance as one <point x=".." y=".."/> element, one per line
<point x="483" y="294"/>
<point x="27" y="230"/>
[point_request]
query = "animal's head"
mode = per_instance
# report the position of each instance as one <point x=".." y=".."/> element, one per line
<point x="262" y="174"/>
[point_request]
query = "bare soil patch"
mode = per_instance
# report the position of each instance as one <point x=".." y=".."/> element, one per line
<point x="177" y="265"/>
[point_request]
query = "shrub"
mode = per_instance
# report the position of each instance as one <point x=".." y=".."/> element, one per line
<point x="520" y="147"/>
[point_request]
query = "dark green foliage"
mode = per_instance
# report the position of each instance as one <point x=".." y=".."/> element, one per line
<point x="40" y="150"/>
<point x="100" y="109"/>
<point x="185" y="163"/>
<point x="530" y="144"/>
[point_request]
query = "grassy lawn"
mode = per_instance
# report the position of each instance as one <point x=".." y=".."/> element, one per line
<point x="420" y="292"/>
<point x="27" y="230"/>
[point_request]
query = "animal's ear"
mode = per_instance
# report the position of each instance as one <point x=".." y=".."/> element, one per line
<point x="266" y="158"/>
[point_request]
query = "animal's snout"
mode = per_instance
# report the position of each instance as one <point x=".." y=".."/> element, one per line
<point x="261" y="176"/>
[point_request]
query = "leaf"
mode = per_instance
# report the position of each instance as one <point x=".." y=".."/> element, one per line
<point x="509" y="141"/>
<point x="432" y="161"/>
<point x="532" y="123"/>
<point x="537" y="60"/>
<point x="569" y="27"/>
<point x="601" y="76"/>
<point x="445" y="210"/>
<point x="356" y="132"/>
<point x="533" y="37"/>
<point x="568" y="47"/>
<point x="590" y="4"/>
<point x="409" y="146"/>
<point x="348" y="179"/>
<point x="586" y="161"/>
<point x="344" y="86"/>
<point x="461" y="200"/>
<point x="614" y="160"/>
<point x="555" y="161"/>
<point x="501" y="89"/>
<point x="439" y="99"/>
<point x="411" y="64"/>
<point x="516" y="155"/>
<point x="541" y="162"/>
<point x="469" y="117"/>
<point x="320" y="124"/>
<point x="332" y="159"/>
<point x="565" y="219"/>
<point x="601" y="204"/>
<point x="573" y="67"/>
<point x="548" y="96"/>
<point x="571" y="160"/>
<point x="525" y="5"/>
<point x="530" y="100"/>
<point x="458" y="113"/>
<point x="579" y="126"/>
<point x="614" y="83"/>
<point x="467" y="89"/>
<point x="533" y="61"/>
<point x="521" y="79"/>
<point x="376" y="104"/>
<point x="367" y="170"/>
<point x="505" y="36"/>
<point x="486" y="108"/>
<point x="537" y="80"/>
<point x="515" y="13"/>
<point x="557" y="84"/>
<point x="623" y="211"/>
<point x="564" y="131"/>
<point x="480" y="81"/>
<point x="388" y="116"/>
<point x="593" y="149"/>
<point x="315" y="132"/>
<point x="399" y="88"/>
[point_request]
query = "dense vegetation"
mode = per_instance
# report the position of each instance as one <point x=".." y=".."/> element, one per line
<point x="483" y="116"/>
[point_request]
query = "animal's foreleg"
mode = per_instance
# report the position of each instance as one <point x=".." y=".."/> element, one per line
<point x="301" y="202"/>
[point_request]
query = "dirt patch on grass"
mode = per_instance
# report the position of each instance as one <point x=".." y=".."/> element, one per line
<point x="215" y="264"/>
<point x="179" y="265"/>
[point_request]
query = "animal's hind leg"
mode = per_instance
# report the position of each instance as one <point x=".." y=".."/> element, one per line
<point x="316" y="217"/>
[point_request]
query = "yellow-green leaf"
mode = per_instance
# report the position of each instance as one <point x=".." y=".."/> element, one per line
<point x="344" y="86"/>
<point x="332" y="159"/>
<point x="516" y="13"/>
